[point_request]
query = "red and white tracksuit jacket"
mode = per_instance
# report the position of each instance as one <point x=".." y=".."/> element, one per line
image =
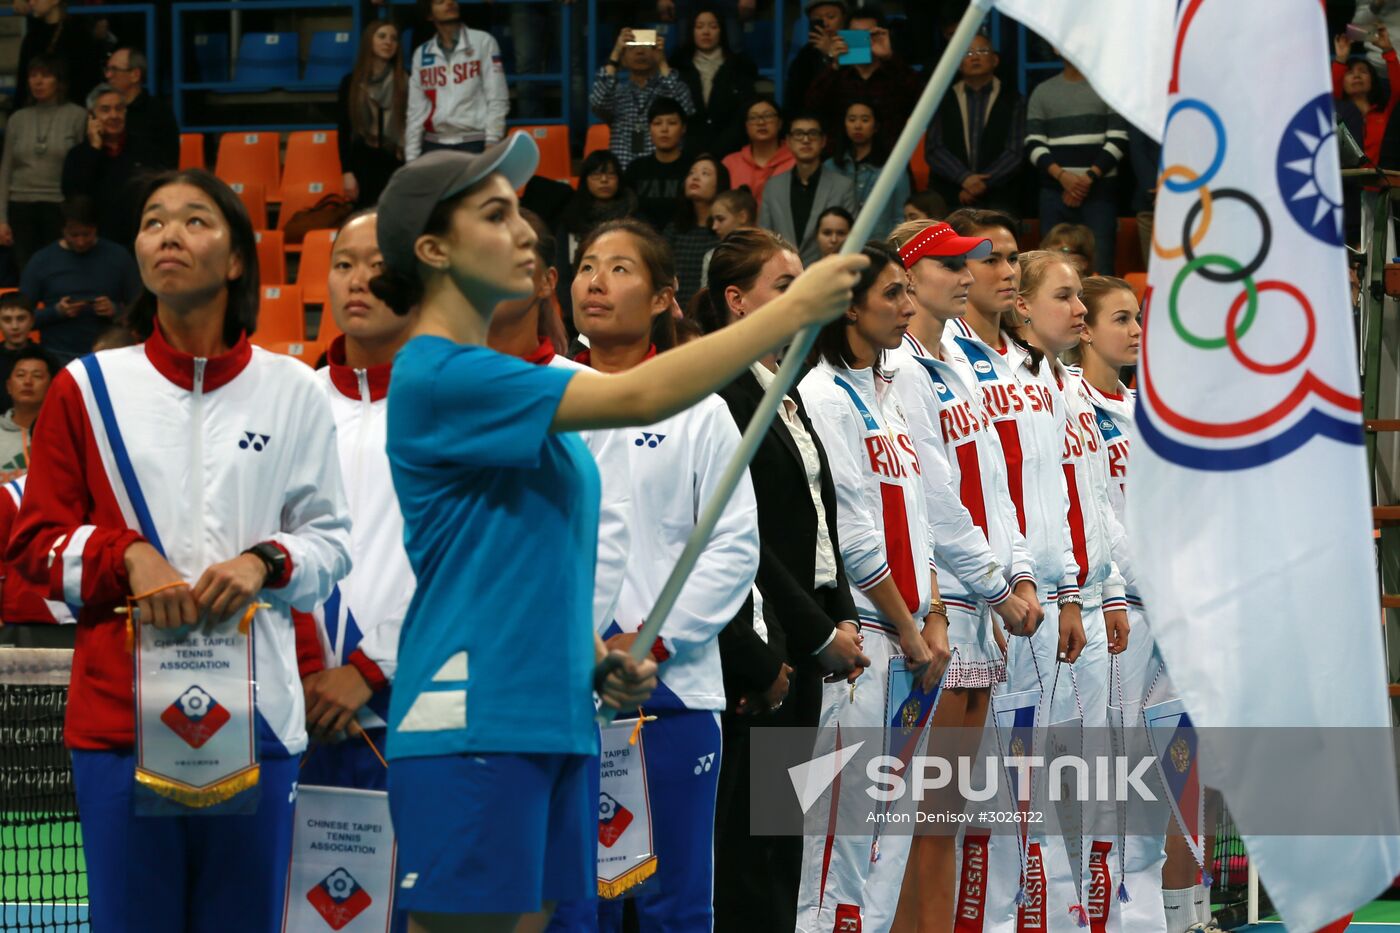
<point x="24" y="602"/>
<point x="981" y="535"/>
<point x="457" y="96"/>
<point x="1098" y="538"/>
<point x="1028" y="415"/>
<point x="1114" y="416"/>
<point x="881" y="514"/>
<point x="360" y="623"/>
<point x="203" y="458"/>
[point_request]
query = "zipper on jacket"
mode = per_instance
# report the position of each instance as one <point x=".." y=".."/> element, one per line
<point x="197" y="474"/>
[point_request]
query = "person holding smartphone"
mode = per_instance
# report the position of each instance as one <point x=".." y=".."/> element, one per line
<point x="623" y="101"/>
<point x="79" y="283"/>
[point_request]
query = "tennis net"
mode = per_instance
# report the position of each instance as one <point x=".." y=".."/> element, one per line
<point x="43" y="881"/>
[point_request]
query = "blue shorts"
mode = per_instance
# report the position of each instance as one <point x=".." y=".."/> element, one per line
<point x="494" y="833"/>
<point x="349" y="763"/>
<point x="172" y="874"/>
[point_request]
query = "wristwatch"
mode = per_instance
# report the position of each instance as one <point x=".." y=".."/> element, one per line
<point x="272" y="556"/>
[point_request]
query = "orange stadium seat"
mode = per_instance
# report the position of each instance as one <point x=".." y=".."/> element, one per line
<point x="553" y="140"/>
<point x="272" y="261"/>
<point x="1127" y="249"/>
<point x="191" y="150"/>
<point x="251" y="158"/>
<point x="1138" y="280"/>
<point x="280" y="315"/>
<point x="315" y="266"/>
<point x="1030" y="235"/>
<point x="308" y="351"/>
<point x="326" y="330"/>
<point x="313" y="156"/>
<point x="254" y="198"/>
<point x="300" y="198"/>
<point x="918" y="166"/>
<point x="599" y="136"/>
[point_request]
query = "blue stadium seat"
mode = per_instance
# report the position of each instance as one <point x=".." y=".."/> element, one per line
<point x="331" y="57"/>
<point x="267" y="59"/>
<point x="211" y="58"/>
<point x="757" y="42"/>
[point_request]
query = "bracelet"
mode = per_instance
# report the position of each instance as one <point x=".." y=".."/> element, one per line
<point x="1070" y="599"/>
<point x="936" y="607"/>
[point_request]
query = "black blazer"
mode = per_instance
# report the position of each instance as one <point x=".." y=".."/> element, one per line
<point x="717" y="127"/>
<point x="787" y="525"/>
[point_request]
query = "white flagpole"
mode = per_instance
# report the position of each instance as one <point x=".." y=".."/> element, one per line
<point x="938" y="84"/>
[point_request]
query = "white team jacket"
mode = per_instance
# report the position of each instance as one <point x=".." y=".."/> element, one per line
<point x="360" y="623"/>
<point x="203" y="458"/>
<point x="1114" y="415"/>
<point x="1095" y="532"/>
<point x="881" y="514"/>
<point x="676" y="464"/>
<point x="611" y="451"/>
<point x="959" y="431"/>
<point x="1028" y="415"/>
<point x="458" y="96"/>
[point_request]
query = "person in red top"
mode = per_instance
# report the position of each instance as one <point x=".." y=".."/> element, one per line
<point x="1364" y="102"/>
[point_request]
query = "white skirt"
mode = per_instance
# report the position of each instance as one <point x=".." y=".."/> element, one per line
<point x="978" y="662"/>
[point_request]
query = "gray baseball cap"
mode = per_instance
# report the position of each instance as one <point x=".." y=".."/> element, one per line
<point x="421" y="185"/>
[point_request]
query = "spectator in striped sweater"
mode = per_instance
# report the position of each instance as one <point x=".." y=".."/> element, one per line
<point x="1075" y="142"/>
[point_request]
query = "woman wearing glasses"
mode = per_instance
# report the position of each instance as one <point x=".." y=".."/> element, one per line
<point x="766" y="154"/>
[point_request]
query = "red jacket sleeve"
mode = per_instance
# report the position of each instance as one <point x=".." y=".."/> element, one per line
<point x="69" y="536"/>
<point x="309" y="657"/>
<point x="1339" y="70"/>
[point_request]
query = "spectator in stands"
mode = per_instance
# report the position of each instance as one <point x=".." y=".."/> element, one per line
<point x="1075" y="142"/>
<point x="657" y="177"/>
<point x="887" y="83"/>
<point x="797" y="198"/>
<point x="79" y="283"/>
<point x="721" y="82"/>
<point x="925" y="205"/>
<point x="1364" y="102"/>
<point x="733" y="210"/>
<point x="624" y="104"/>
<point x="103" y="166"/>
<point x="37" y="138"/>
<point x="689" y="232"/>
<point x="601" y="196"/>
<point x="371" y="104"/>
<point x="149" y="120"/>
<point x="974" y="144"/>
<point x="766" y="153"/>
<point x="16" y="324"/>
<point x="859" y="156"/>
<point x="26" y="384"/>
<point x="457" y="94"/>
<point x="825" y="19"/>
<point x="51" y="31"/>
<point x="833" y="226"/>
<point x="1076" y="243"/>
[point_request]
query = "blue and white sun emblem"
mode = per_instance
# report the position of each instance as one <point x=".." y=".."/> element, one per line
<point x="1308" y="175"/>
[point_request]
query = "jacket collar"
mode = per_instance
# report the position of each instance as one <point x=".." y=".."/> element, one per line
<point x="586" y="357"/>
<point x="346" y="378"/>
<point x="543" y="353"/>
<point x="178" y="366"/>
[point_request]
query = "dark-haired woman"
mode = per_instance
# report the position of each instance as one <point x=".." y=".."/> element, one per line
<point x="37" y="140"/>
<point x="860" y="156"/>
<point x="882" y="519"/>
<point x="721" y="83"/>
<point x="690" y="233"/>
<point x="370" y="107"/>
<point x="601" y="196"/>
<point x="50" y="30"/>
<point x="494" y="484"/>
<point x="144" y="494"/>
<point x="806" y="607"/>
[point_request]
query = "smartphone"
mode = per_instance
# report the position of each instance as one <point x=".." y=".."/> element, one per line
<point x="1361" y="33"/>
<point x="645" y="37"/>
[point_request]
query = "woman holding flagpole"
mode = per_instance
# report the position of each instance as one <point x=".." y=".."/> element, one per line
<point x="193" y="479"/>
<point x="493" y="485"/>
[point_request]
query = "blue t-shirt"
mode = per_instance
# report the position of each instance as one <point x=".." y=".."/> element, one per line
<point x="501" y="527"/>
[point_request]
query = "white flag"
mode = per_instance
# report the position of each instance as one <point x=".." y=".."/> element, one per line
<point x="1120" y="45"/>
<point x="1248" y="507"/>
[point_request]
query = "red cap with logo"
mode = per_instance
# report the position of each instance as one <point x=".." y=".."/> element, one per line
<point x="942" y="240"/>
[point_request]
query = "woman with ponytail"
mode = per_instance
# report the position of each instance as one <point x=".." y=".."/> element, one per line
<point x="494" y="484"/>
<point x="805" y="603"/>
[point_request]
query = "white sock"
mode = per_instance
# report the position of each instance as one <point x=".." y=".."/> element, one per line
<point x="1202" y="904"/>
<point x="1180" y="908"/>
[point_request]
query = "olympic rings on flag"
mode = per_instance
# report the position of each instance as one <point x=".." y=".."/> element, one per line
<point x="1217" y="124"/>
<point x="1232" y="338"/>
<point x="1240" y="273"/>
<point x="1176" y="252"/>
<point x="1250" y="290"/>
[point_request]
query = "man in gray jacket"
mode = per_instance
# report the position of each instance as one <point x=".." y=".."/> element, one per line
<point x="794" y="200"/>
